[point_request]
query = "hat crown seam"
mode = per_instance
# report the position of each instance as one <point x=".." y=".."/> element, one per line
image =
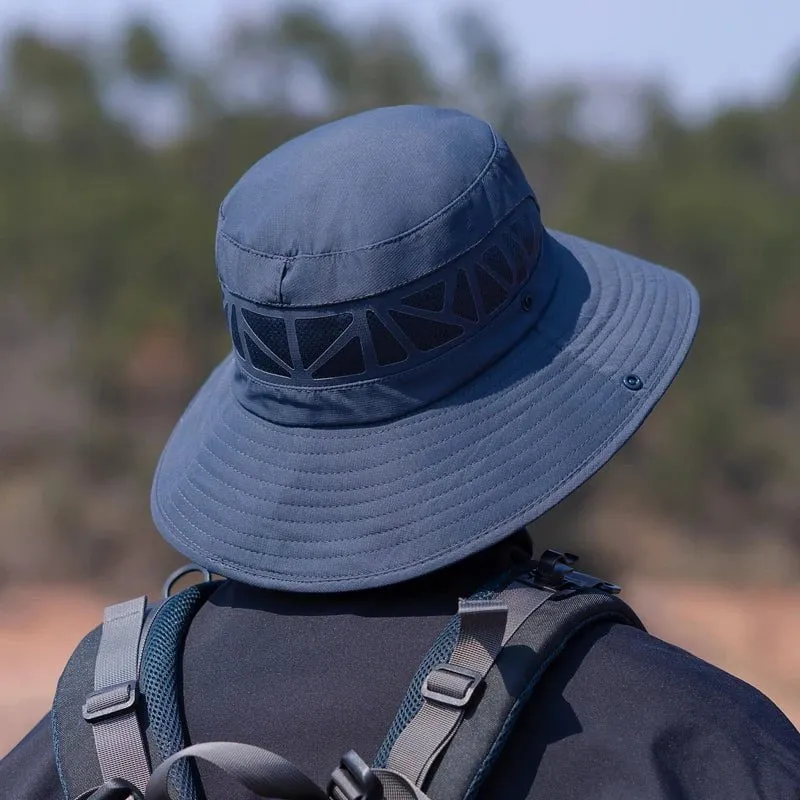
<point x="498" y="146"/>
<point x="281" y="305"/>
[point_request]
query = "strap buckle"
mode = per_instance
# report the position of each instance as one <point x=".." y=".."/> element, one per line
<point x="354" y="780"/>
<point x="451" y="685"/>
<point x="112" y="700"/>
<point x="555" y="571"/>
<point x="115" y="789"/>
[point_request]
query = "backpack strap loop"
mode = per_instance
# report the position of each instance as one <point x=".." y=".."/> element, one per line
<point x="111" y="707"/>
<point x="263" y="772"/>
<point x="174" y="577"/>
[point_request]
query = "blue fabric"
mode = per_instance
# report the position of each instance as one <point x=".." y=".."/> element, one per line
<point x="313" y="483"/>
<point x="425" y="373"/>
<point x="363" y="205"/>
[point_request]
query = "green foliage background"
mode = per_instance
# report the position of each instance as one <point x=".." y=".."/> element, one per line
<point x="106" y="260"/>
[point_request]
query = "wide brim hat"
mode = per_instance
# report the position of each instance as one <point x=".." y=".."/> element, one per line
<point x="419" y="367"/>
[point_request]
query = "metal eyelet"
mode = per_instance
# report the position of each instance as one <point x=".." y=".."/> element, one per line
<point x="632" y="382"/>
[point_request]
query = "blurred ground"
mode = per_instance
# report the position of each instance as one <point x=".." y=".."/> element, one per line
<point x="746" y="632"/>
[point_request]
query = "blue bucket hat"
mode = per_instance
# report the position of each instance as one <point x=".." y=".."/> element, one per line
<point x="419" y="367"/>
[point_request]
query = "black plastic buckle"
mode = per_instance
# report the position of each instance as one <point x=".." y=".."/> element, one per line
<point x="555" y="571"/>
<point x="115" y="789"/>
<point x="470" y="681"/>
<point x="354" y="780"/>
<point x="112" y="700"/>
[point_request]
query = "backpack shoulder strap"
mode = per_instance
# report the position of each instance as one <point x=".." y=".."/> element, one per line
<point x="462" y="703"/>
<point x="111" y="706"/>
<point x="103" y="719"/>
<point x="95" y="694"/>
<point x="457" y="716"/>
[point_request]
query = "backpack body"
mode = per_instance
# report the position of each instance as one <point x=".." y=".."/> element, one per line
<point x="118" y="715"/>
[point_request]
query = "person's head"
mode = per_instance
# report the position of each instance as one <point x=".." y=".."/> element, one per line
<point x="419" y="368"/>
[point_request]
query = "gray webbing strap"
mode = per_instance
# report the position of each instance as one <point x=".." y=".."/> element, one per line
<point x="264" y="773"/>
<point x="398" y="787"/>
<point x="268" y="775"/>
<point x="111" y="708"/>
<point x="486" y="625"/>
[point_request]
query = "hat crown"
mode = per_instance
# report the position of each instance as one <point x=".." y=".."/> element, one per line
<point x="358" y="181"/>
<point x="364" y="204"/>
<point x="353" y="258"/>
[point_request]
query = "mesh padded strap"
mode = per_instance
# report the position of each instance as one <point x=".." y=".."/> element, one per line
<point x="474" y="749"/>
<point x="111" y="708"/>
<point x="485" y="625"/>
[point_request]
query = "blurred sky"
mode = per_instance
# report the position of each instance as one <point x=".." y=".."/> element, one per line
<point x="707" y="51"/>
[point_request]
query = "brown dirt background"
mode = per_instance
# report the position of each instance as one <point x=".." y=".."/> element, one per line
<point x="746" y="632"/>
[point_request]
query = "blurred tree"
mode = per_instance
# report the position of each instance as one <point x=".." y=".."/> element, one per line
<point x="486" y="85"/>
<point x="146" y="56"/>
<point x="106" y="238"/>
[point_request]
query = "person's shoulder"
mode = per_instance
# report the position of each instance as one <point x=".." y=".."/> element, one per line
<point x="649" y="667"/>
<point x="622" y="711"/>
<point x="689" y="715"/>
<point x="29" y="770"/>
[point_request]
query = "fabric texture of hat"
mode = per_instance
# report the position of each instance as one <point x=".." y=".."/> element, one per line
<point x="419" y="367"/>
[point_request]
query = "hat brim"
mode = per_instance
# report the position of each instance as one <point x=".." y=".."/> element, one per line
<point x="326" y="510"/>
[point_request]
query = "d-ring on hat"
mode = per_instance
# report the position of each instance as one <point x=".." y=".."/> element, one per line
<point x="419" y="368"/>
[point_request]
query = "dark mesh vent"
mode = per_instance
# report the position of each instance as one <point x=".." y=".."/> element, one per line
<point x="518" y="258"/>
<point x="271" y="331"/>
<point x="439" y="653"/>
<point x="426" y="334"/>
<point x="492" y="293"/>
<point x="430" y="299"/>
<point x="402" y="323"/>
<point x="526" y="233"/>
<point x="497" y="262"/>
<point x="348" y="361"/>
<point x="387" y="349"/>
<point x="316" y="334"/>
<point x="237" y="339"/>
<point x="260" y="360"/>
<point x="463" y="301"/>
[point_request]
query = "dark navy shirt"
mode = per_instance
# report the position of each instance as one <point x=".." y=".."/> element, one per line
<point x="619" y="715"/>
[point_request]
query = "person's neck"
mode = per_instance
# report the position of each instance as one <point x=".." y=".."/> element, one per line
<point x="435" y="593"/>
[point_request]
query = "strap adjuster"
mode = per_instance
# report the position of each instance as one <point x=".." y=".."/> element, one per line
<point x="354" y="780"/>
<point x="112" y="700"/>
<point x="451" y="685"/>
<point x="556" y="571"/>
